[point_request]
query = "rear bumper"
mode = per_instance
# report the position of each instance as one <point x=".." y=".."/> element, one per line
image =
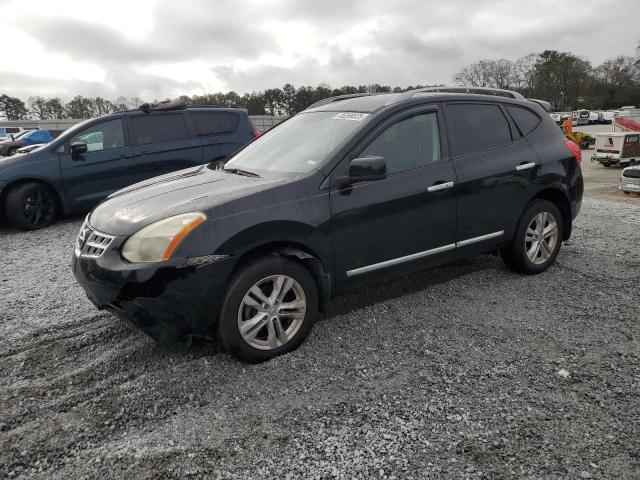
<point x="629" y="187"/>
<point x="168" y="301"/>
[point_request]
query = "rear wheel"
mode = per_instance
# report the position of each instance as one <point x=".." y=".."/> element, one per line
<point x="31" y="206"/>
<point x="269" y="309"/>
<point x="537" y="240"/>
<point x="11" y="151"/>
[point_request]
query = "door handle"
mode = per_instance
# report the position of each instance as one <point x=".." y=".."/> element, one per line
<point x="125" y="156"/>
<point x="436" y="187"/>
<point x="525" y="166"/>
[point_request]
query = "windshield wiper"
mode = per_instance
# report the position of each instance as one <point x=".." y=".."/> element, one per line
<point x="239" y="171"/>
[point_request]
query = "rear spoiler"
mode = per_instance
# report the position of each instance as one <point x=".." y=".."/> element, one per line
<point x="543" y="103"/>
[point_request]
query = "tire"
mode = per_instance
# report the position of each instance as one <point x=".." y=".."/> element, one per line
<point x="31" y="206"/>
<point x="262" y="342"/>
<point x="11" y="151"/>
<point x="516" y="255"/>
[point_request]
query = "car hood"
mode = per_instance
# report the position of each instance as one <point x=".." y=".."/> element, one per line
<point x="196" y="189"/>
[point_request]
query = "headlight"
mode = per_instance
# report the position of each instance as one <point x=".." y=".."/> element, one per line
<point x="157" y="242"/>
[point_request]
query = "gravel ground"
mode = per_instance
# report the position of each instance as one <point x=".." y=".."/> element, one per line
<point x="467" y="371"/>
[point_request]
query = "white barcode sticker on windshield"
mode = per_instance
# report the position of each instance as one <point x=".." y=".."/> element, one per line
<point x="358" y="117"/>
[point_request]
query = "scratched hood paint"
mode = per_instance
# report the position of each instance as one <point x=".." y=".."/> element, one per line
<point x="196" y="189"/>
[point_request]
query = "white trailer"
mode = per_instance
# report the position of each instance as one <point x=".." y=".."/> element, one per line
<point x="617" y="149"/>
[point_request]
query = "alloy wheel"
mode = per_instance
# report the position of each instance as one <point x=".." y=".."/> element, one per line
<point x="541" y="238"/>
<point x="272" y="312"/>
<point x="38" y="207"/>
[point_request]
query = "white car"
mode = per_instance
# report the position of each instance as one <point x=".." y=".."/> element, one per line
<point x="630" y="180"/>
<point x="29" y="148"/>
<point x="607" y="117"/>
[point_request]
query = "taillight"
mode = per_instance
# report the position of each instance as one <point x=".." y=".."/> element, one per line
<point x="255" y="133"/>
<point x="575" y="149"/>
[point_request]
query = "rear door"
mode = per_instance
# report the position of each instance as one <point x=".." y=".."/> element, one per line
<point x="162" y="143"/>
<point x="218" y="133"/>
<point x="495" y="169"/>
<point x="406" y="221"/>
<point x="105" y="167"/>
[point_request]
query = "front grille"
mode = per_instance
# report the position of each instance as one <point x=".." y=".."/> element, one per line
<point x="631" y="173"/>
<point x="91" y="243"/>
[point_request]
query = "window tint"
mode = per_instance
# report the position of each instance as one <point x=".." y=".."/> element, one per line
<point x="525" y="119"/>
<point x="212" y="123"/>
<point x="103" y="136"/>
<point x="477" y="127"/>
<point x="157" y="128"/>
<point x="408" y="144"/>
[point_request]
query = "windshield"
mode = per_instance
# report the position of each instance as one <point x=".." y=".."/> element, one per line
<point x="300" y="144"/>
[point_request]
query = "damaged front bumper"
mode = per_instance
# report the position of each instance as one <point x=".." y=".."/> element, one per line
<point x="168" y="300"/>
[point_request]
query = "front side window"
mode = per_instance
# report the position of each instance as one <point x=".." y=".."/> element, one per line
<point x="407" y="144"/>
<point x="300" y="144"/>
<point x="102" y="136"/>
<point x="477" y="127"/>
<point x="157" y="128"/>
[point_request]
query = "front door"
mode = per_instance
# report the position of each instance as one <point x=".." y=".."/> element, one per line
<point x="105" y="167"/>
<point x="406" y="221"/>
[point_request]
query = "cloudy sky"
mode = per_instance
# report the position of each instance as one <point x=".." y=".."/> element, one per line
<point x="155" y="49"/>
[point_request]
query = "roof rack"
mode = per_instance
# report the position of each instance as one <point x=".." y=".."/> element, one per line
<point x="176" y="104"/>
<point x="498" y="92"/>
<point x="338" y="98"/>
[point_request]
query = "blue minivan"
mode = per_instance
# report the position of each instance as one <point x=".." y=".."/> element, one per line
<point x="93" y="159"/>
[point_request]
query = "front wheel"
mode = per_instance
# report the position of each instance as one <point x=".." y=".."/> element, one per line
<point x="537" y="240"/>
<point x="269" y="309"/>
<point x="31" y="206"/>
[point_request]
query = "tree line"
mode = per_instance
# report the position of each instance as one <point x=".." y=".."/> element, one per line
<point x="286" y="101"/>
<point x="566" y="80"/>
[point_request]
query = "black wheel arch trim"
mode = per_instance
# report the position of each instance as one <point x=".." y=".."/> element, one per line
<point x="560" y="198"/>
<point x="59" y="198"/>
<point x="297" y="251"/>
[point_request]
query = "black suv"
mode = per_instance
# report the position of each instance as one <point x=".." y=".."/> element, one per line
<point x="349" y="190"/>
<point x="99" y="156"/>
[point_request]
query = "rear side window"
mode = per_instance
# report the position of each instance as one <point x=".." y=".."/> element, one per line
<point x="157" y="128"/>
<point x="477" y="127"/>
<point x="525" y="119"/>
<point x="214" y="123"/>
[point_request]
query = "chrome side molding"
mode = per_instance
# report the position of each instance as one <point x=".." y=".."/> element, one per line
<point x="481" y="238"/>
<point x="396" y="261"/>
<point x="426" y="253"/>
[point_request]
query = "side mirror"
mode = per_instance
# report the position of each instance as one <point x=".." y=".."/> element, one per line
<point x="367" y="169"/>
<point x="78" y="148"/>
